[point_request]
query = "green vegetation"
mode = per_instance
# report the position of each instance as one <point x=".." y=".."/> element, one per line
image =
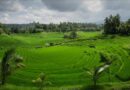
<point x="64" y="64"/>
<point x="40" y="81"/>
<point x="9" y="63"/>
<point x="67" y="55"/>
<point x="36" y="27"/>
<point x="113" y="25"/>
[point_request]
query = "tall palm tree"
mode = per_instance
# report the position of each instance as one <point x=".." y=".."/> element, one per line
<point x="5" y="65"/>
<point x="10" y="62"/>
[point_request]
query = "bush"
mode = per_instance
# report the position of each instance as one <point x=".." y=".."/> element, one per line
<point x="66" y="36"/>
<point x="40" y="81"/>
<point x="72" y="35"/>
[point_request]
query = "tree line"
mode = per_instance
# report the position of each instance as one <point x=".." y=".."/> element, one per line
<point x="112" y="25"/>
<point x="3" y="29"/>
<point x="36" y="27"/>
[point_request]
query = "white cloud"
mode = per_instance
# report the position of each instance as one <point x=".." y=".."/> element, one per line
<point x="93" y="5"/>
<point x="17" y="6"/>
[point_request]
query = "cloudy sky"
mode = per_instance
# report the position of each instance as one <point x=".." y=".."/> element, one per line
<point x="55" y="11"/>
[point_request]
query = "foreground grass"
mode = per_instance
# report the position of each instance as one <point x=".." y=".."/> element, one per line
<point x="63" y="64"/>
<point x="108" y="86"/>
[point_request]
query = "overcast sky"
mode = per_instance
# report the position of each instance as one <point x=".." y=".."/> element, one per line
<point x="55" y="11"/>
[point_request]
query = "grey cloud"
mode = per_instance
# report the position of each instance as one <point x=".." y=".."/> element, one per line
<point x="116" y="4"/>
<point x="71" y="5"/>
<point x="46" y="11"/>
<point x="9" y="5"/>
<point x="5" y="5"/>
<point x="63" y="5"/>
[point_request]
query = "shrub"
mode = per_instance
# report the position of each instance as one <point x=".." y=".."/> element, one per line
<point x="73" y="35"/>
<point x="40" y="81"/>
<point x="66" y="36"/>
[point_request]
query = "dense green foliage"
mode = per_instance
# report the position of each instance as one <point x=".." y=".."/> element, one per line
<point x="113" y="25"/>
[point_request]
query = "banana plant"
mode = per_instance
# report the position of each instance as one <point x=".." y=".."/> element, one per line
<point x="97" y="72"/>
<point x="106" y="61"/>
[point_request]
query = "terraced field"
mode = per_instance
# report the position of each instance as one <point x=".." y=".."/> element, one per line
<point x="64" y="63"/>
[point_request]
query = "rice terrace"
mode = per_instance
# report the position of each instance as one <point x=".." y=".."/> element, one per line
<point x="64" y="45"/>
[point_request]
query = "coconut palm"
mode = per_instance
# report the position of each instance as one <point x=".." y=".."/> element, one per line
<point x="9" y="63"/>
<point x="5" y="65"/>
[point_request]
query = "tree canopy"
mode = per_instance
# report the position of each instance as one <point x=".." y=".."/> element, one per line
<point x="113" y="25"/>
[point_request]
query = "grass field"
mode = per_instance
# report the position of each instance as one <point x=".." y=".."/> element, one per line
<point x="63" y="63"/>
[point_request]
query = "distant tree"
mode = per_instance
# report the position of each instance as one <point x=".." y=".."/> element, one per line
<point x="1" y="28"/>
<point x="14" y="30"/>
<point x="111" y="24"/>
<point x="1" y="31"/>
<point x="124" y="29"/>
<point x="0" y="24"/>
<point x="128" y="21"/>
